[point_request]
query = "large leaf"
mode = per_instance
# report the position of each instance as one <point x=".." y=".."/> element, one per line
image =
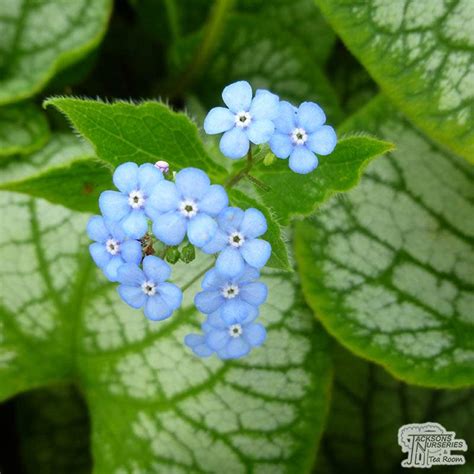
<point x="23" y="129"/>
<point x="154" y="406"/>
<point x="288" y="193"/>
<point x="142" y="133"/>
<point x="40" y="38"/>
<point x="367" y="409"/>
<point x="422" y="56"/>
<point x="389" y="269"/>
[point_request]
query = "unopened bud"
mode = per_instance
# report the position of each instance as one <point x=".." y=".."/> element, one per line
<point x="188" y="253"/>
<point x="172" y="255"/>
<point x="163" y="166"/>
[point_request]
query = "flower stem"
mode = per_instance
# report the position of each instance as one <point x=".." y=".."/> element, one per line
<point x="233" y="180"/>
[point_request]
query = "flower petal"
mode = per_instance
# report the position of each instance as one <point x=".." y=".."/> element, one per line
<point x="126" y="177"/>
<point x="192" y="183"/>
<point x="130" y="274"/>
<point x="230" y="262"/>
<point x="255" y="334"/>
<point x="156" y="308"/>
<point x="217" y="243"/>
<point x="237" y="347"/>
<point x="172" y="295"/>
<point x="213" y="279"/>
<point x="238" y="311"/>
<point x="218" y="120"/>
<point x="198" y="345"/>
<point x="310" y="116"/>
<point x="148" y="177"/>
<point x="170" y="227"/>
<point x="238" y="96"/>
<point x="99" y="254"/>
<point x="256" y="252"/>
<point x="234" y="143"/>
<point x="302" y="160"/>
<point x="156" y="269"/>
<point x="132" y="295"/>
<point x="281" y="145"/>
<point x="249" y="274"/>
<point x="322" y="141"/>
<point x="286" y="120"/>
<point x="114" y="205"/>
<point x="214" y="320"/>
<point x="208" y="301"/>
<point x="254" y="293"/>
<point x="217" y="339"/>
<point x="96" y="229"/>
<point x="265" y="105"/>
<point x="115" y="230"/>
<point x="131" y="251"/>
<point x="164" y="198"/>
<point x="214" y="200"/>
<point x="230" y="219"/>
<point x="201" y="229"/>
<point x="253" y="224"/>
<point x="110" y="270"/>
<point x="135" y="224"/>
<point x="260" y="131"/>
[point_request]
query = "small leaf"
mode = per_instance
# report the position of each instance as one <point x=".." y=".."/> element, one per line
<point x="295" y="194"/>
<point x="23" y="129"/>
<point x="41" y="38"/>
<point x="388" y="270"/>
<point x="279" y="258"/>
<point x="143" y="133"/>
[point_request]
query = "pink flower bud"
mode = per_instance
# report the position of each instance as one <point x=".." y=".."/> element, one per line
<point x="163" y="166"/>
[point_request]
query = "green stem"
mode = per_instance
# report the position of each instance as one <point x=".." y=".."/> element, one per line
<point x="194" y="279"/>
<point x="173" y="19"/>
<point x="233" y="180"/>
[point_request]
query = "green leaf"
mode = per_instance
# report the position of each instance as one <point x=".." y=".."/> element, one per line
<point x="422" y="57"/>
<point x="279" y="258"/>
<point x="147" y="132"/>
<point x="23" y="129"/>
<point x="388" y="270"/>
<point x="154" y="406"/>
<point x="63" y="172"/>
<point x="293" y="194"/>
<point x="367" y="409"/>
<point x="41" y="38"/>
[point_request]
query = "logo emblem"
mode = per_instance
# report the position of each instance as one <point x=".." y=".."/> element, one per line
<point x="429" y="444"/>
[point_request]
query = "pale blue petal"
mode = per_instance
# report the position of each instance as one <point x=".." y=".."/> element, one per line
<point x="214" y="320"/>
<point x="164" y="198"/>
<point x="115" y="230"/>
<point x="234" y="143"/>
<point x="254" y="334"/>
<point x="156" y="308"/>
<point x="281" y="145"/>
<point x="135" y="225"/>
<point x="230" y="219"/>
<point x="97" y="230"/>
<point x="218" y="120"/>
<point x="148" y="177"/>
<point x="236" y="311"/>
<point x="192" y="183"/>
<point x="172" y="295"/>
<point x="198" y="345"/>
<point x="253" y="224"/>
<point x="310" y="116"/>
<point x="132" y="295"/>
<point x="237" y="347"/>
<point x="238" y="96"/>
<point x="201" y="229"/>
<point x="322" y="141"/>
<point x="170" y="228"/>
<point x="126" y="177"/>
<point x="256" y="252"/>
<point x="265" y="105"/>
<point x="254" y="293"/>
<point x="217" y="243"/>
<point x="302" y="160"/>
<point x="131" y="251"/>
<point x="230" y="262"/>
<point x="156" y="269"/>
<point x="130" y="274"/>
<point x="260" y="131"/>
<point x="99" y="254"/>
<point x="214" y="200"/>
<point x="110" y="270"/>
<point x="217" y="339"/>
<point x="286" y="120"/>
<point x="114" y="205"/>
<point x="213" y="279"/>
<point x="208" y="301"/>
<point x="249" y="274"/>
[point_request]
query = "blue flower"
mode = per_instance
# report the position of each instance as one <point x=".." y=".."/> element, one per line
<point x="130" y="206"/>
<point x="111" y="248"/>
<point x="147" y="288"/>
<point x="237" y="241"/>
<point x="240" y="291"/>
<point x="244" y="120"/>
<point x="187" y="206"/>
<point x="300" y="133"/>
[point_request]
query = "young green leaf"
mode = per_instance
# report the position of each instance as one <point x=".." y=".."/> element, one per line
<point x="279" y="258"/>
<point x="388" y="270"/>
<point x="142" y="133"/>
<point x="41" y="38"/>
<point x="422" y="57"/>
<point x="23" y="129"/>
<point x="290" y="194"/>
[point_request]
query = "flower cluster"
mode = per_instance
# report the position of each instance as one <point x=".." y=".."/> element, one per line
<point x="297" y="133"/>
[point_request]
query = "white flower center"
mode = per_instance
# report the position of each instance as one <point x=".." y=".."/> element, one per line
<point x="149" y="288"/>
<point x="243" y="119"/>
<point x="188" y="208"/>
<point x="230" y="291"/>
<point x="236" y="239"/>
<point x="112" y="246"/>
<point x="136" y="199"/>
<point x="235" y="330"/>
<point x="299" y="136"/>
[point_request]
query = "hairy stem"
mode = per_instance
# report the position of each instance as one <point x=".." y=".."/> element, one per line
<point x="233" y="180"/>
